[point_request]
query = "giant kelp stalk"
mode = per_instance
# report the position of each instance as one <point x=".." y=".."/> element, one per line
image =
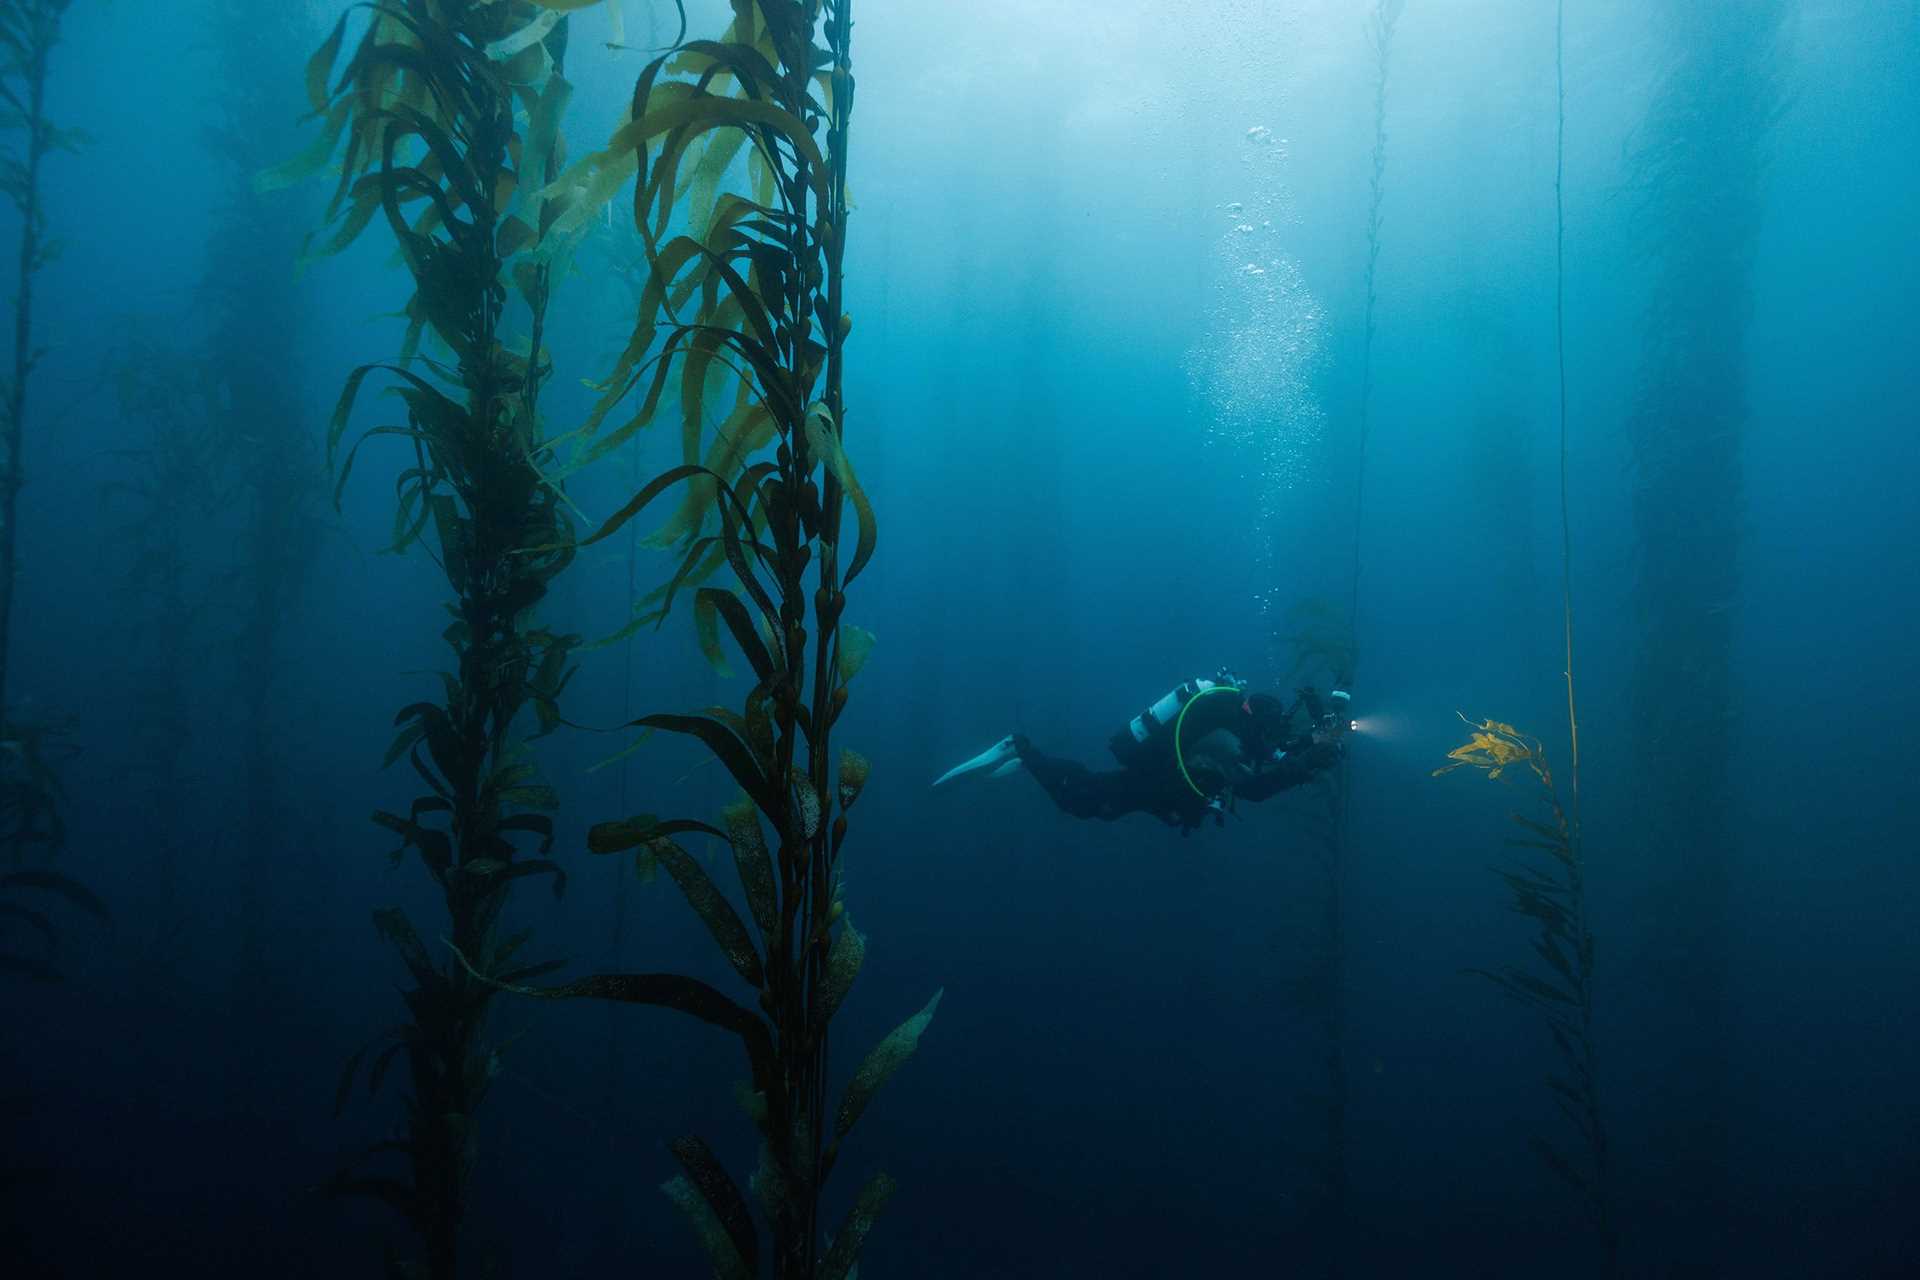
<point x="1380" y="28"/>
<point x="427" y="105"/>
<point x="1554" y="894"/>
<point x="1698" y="160"/>
<point x="746" y="307"/>
<point x="30" y="825"/>
<point x="1560" y="987"/>
<point x="173" y="490"/>
<point x="1317" y="635"/>
<point x="255" y="343"/>
<point x="1380" y="25"/>
<point x="30" y="794"/>
<point x="29" y="30"/>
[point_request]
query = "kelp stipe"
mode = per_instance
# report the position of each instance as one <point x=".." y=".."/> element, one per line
<point x="1380" y="26"/>
<point x="31" y="825"/>
<point x="1555" y="896"/>
<point x="31" y="829"/>
<point x="258" y="333"/>
<point x="1325" y="643"/>
<point x="753" y="289"/>
<point x="175" y="483"/>
<point x="29" y="30"/>
<point x="1698" y="165"/>
<point x="1322" y="650"/>
<point x="427" y="106"/>
<point x="1559" y="987"/>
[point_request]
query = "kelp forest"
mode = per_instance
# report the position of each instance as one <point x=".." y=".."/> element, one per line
<point x="799" y="638"/>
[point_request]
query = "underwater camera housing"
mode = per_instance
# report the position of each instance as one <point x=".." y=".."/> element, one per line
<point x="1331" y="718"/>
<point x="1341" y="713"/>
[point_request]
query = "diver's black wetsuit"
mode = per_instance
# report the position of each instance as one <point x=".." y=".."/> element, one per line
<point x="1149" y="780"/>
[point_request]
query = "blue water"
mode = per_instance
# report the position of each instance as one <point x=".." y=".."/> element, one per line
<point x="1108" y="278"/>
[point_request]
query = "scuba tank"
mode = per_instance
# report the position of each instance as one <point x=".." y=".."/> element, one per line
<point x="1139" y="737"/>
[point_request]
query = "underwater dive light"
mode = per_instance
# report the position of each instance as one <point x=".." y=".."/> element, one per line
<point x="1343" y="702"/>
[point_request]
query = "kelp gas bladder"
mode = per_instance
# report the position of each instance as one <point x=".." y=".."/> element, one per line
<point x="743" y="315"/>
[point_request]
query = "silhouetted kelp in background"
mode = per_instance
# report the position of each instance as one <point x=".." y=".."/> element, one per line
<point x="1322" y="641"/>
<point x="1318" y="636"/>
<point x="176" y="482"/>
<point x="1698" y="163"/>
<point x="258" y="332"/>
<point x="746" y="304"/>
<point x="427" y="105"/>
<point x="31" y="826"/>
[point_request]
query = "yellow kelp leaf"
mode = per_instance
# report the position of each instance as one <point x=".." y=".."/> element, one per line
<point x="533" y="33"/>
<point x="823" y="440"/>
<point x="1493" y="746"/>
<point x="320" y="66"/>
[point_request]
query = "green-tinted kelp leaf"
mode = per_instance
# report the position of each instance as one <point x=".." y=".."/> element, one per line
<point x="508" y="949"/>
<point x="722" y="921"/>
<point x="616" y="837"/>
<point x="881" y="1064"/>
<point x="844" y="958"/>
<point x="640" y="501"/>
<point x="392" y="924"/>
<point x="856" y="646"/>
<point x="722" y="1252"/>
<point x="752" y="862"/>
<point x="539" y="797"/>
<point x="320" y="66"/>
<point x="533" y="33"/>
<point x="706" y="625"/>
<point x="527" y="973"/>
<point x="403" y="742"/>
<point x="728" y="608"/>
<point x="852" y="1235"/>
<point x="729" y="749"/>
<point x="823" y="438"/>
<point x="666" y="991"/>
<point x="388" y="1036"/>
<point x="855" y="769"/>
<point x="503" y="872"/>
<point x="722" y="1197"/>
<point x="435" y="847"/>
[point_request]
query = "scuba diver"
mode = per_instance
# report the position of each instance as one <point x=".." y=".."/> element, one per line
<point x="1197" y="751"/>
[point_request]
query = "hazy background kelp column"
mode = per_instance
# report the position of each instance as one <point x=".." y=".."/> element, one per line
<point x="1698" y="169"/>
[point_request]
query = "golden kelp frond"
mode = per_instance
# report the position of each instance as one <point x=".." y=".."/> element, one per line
<point x="1495" y="747"/>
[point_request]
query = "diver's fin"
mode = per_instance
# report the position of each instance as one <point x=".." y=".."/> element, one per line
<point x="995" y="757"/>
